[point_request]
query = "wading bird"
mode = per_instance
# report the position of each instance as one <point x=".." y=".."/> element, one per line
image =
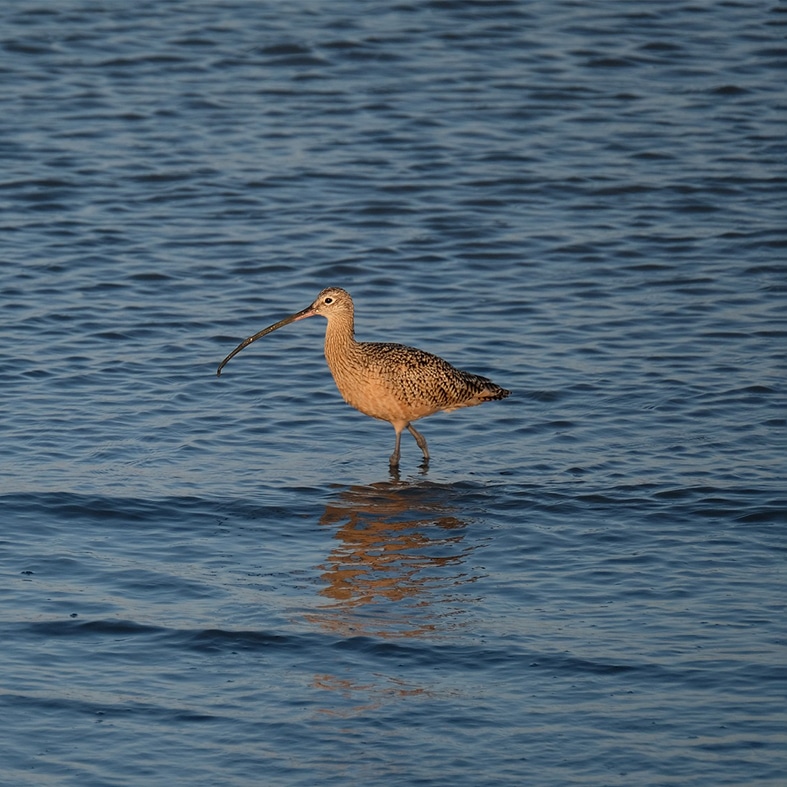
<point x="392" y="382"/>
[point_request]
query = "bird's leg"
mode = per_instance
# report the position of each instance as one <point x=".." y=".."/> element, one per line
<point x="421" y="440"/>
<point x="394" y="461"/>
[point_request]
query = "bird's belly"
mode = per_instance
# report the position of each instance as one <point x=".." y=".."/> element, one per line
<point x="379" y="398"/>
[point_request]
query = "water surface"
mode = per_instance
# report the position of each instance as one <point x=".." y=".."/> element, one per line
<point x="216" y="580"/>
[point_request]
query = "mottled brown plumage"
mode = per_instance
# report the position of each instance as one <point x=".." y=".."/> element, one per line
<point x="392" y="382"/>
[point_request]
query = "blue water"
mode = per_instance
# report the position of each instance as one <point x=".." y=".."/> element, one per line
<point x="217" y="581"/>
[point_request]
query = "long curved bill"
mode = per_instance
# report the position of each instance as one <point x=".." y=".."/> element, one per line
<point x="301" y="315"/>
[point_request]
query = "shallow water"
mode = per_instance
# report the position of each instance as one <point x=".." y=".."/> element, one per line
<point x="217" y="580"/>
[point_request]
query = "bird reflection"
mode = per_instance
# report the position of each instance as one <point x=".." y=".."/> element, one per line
<point x="399" y="562"/>
<point x="357" y="697"/>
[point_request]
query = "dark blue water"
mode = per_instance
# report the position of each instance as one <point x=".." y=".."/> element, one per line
<point x="216" y="581"/>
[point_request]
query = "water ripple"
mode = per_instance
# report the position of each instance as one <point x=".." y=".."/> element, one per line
<point x="582" y="202"/>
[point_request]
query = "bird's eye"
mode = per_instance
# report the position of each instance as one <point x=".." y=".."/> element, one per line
<point x="328" y="300"/>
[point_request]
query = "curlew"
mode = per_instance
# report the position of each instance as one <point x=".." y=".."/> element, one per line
<point x="392" y="382"/>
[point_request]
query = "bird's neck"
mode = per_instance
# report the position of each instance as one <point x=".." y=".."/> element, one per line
<point x="339" y="338"/>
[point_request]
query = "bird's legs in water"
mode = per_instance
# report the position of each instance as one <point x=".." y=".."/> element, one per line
<point x="394" y="460"/>
<point x="419" y="438"/>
